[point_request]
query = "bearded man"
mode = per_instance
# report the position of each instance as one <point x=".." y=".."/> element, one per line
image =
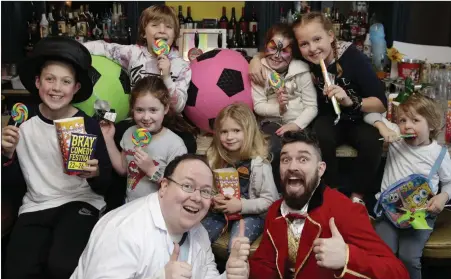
<point x="315" y="231"/>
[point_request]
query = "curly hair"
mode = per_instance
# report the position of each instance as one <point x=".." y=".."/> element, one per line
<point x="426" y="107"/>
<point x="306" y="136"/>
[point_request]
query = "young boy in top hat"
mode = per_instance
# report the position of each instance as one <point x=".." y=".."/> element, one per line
<point x="58" y="211"/>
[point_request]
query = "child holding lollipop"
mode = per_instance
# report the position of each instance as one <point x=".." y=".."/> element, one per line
<point x="287" y="102"/>
<point x="148" y="146"/>
<point x="151" y="58"/>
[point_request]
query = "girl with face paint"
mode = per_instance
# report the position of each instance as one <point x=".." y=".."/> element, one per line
<point x="289" y="104"/>
<point x="360" y="95"/>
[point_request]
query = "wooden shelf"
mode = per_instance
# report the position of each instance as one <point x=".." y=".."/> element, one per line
<point x="15" y="92"/>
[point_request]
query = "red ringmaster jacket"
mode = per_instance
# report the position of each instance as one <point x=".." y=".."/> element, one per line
<point x="367" y="255"/>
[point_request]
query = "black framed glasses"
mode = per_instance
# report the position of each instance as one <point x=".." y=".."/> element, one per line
<point x="206" y="193"/>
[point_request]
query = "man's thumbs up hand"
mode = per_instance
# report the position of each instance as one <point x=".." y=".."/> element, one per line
<point x="244" y="248"/>
<point x="175" y="269"/>
<point x="334" y="230"/>
<point x="330" y="252"/>
<point x="175" y="253"/>
<point x="237" y="266"/>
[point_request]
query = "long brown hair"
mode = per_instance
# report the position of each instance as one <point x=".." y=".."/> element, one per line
<point x="160" y="13"/>
<point x="327" y="25"/>
<point x="255" y="143"/>
<point x="155" y="86"/>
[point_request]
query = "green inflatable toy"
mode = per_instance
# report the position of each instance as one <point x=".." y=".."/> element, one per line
<point x="417" y="219"/>
<point x="111" y="83"/>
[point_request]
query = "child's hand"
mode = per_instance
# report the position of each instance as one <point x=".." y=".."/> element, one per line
<point x="437" y="203"/>
<point x="340" y="95"/>
<point x="107" y="129"/>
<point x="256" y="71"/>
<point x="388" y="134"/>
<point x="218" y="197"/>
<point x="164" y="65"/>
<point x="91" y="170"/>
<point x="10" y="139"/>
<point x="282" y="96"/>
<point x="287" y="127"/>
<point x="144" y="162"/>
<point x="230" y="205"/>
<point x="216" y="203"/>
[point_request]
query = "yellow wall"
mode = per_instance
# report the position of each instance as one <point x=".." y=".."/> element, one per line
<point x="210" y="9"/>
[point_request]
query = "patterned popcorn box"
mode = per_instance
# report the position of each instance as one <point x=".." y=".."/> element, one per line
<point x="448" y="124"/>
<point x="227" y="182"/>
<point x="64" y="129"/>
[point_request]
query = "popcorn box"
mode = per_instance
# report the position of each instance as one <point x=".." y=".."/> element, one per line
<point x="64" y="129"/>
<point x="227" y="182"/>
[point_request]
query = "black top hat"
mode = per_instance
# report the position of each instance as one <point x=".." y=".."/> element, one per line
<point x="60" y="49"/>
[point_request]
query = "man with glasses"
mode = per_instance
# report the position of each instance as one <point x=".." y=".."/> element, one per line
<point x="160" y="236"/>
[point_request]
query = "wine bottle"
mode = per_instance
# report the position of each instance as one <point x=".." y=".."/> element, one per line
<point x="61" y="22"/>
<point x="243" y="23"/>
<point x="223" y="21"/>
<point x="253" y="22"/>
<point x="44" y="26"/>
<point x="189" y="22"/>
<point x="181" y="18"/>
<point x="231" y="30"/>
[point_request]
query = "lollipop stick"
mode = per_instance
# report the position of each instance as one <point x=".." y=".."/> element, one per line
<point x="402" y="137"/>
<point x="15" y="124"/>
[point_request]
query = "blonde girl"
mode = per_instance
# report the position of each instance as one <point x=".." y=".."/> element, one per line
<point x="239" y="143"/>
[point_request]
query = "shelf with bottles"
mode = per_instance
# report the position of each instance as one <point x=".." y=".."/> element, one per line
<point x="240" y="34"/>
<point x="351" y="28"/>
<point x="79" y="22"/>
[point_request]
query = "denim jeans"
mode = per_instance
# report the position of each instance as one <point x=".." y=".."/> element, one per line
<point x="214" y="223"/>
<point x="406" y="244"/>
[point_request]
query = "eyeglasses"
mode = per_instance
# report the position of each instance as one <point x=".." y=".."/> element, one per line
<point x="206" y="193"/>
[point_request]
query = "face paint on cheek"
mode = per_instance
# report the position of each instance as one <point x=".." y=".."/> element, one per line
<point x="271" y="48"/>
<point x="287" y="54"/>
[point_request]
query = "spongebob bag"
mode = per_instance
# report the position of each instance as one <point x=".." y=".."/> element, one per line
<point x="404" y="202"/>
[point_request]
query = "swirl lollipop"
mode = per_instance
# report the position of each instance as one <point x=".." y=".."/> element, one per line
<point x="160" y="46"/>
<point x="275" y="80"/>
<point x="141" y="137"/>
<point x="19" y="113"/>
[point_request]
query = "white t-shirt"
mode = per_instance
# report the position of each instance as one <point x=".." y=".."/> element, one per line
<point x="404" y="160"/>
<point x="132" y="242"/>
<point x="41" y="163"/>
<point x="162" y="149"/>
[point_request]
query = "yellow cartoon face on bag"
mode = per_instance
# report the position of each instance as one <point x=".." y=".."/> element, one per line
<point x="419" y="197"/>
